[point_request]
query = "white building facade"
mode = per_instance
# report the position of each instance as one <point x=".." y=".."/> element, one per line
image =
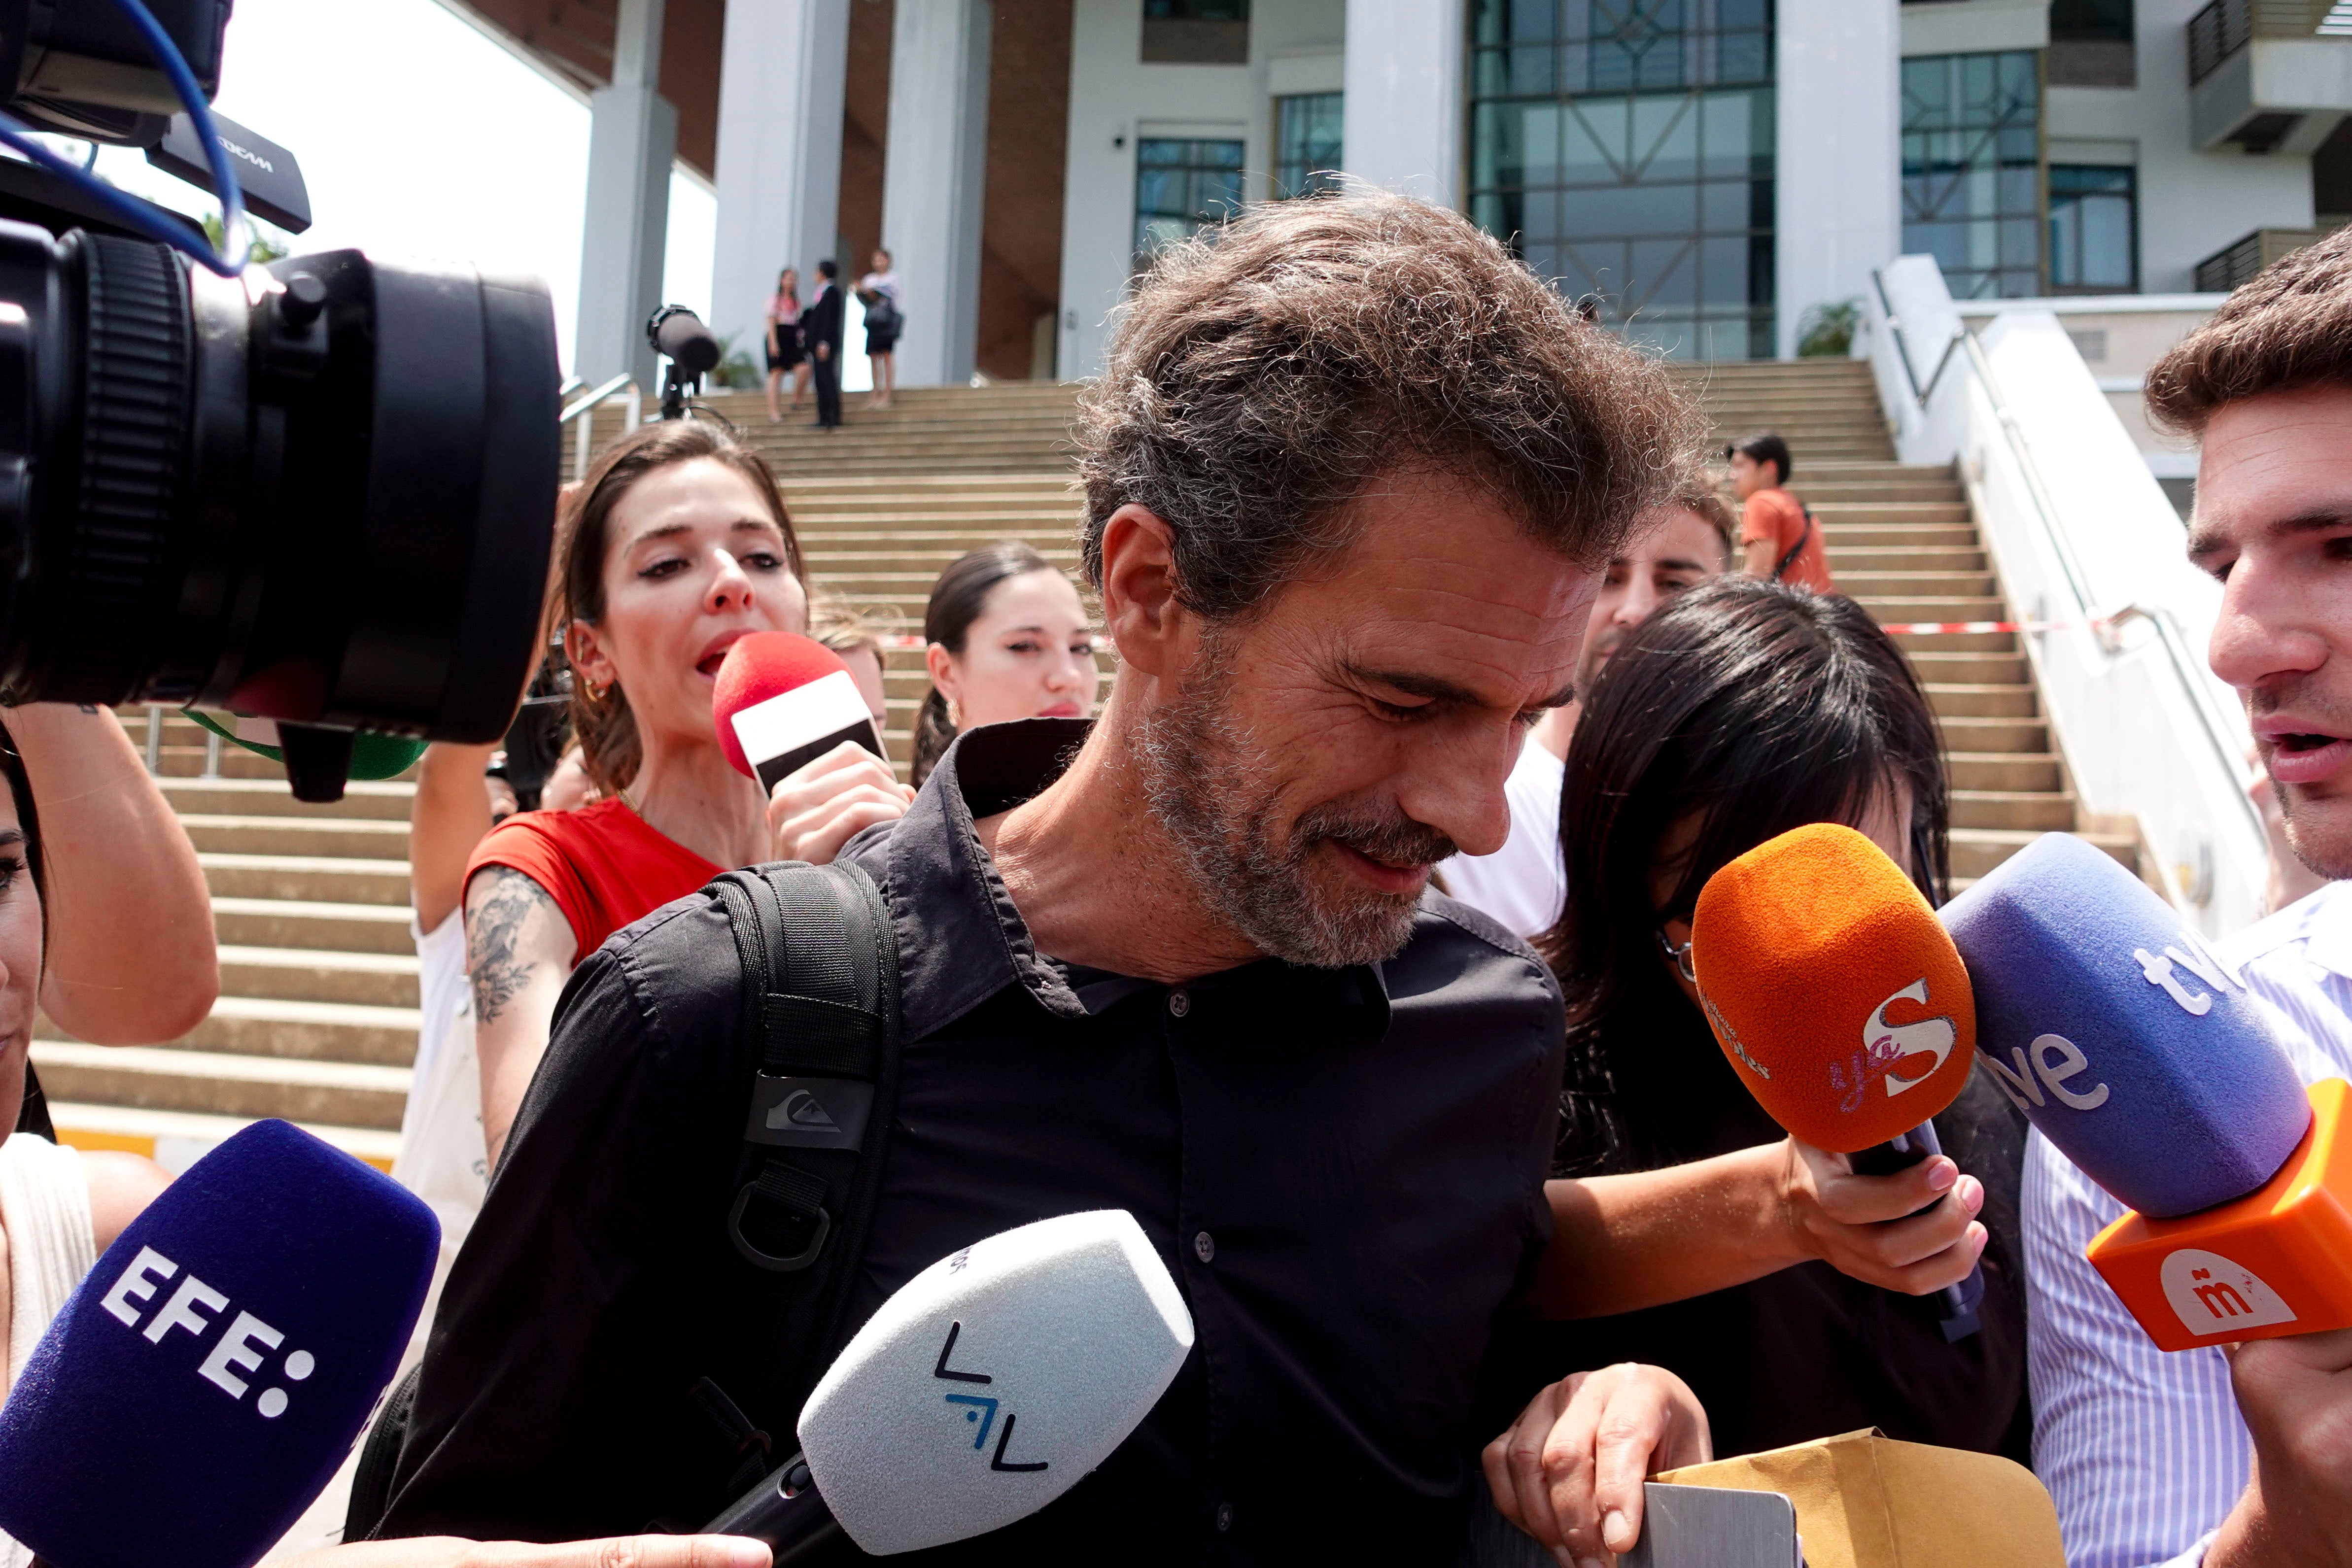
<point x="1708" y="172"/>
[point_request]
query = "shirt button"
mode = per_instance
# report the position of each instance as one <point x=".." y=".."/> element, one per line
<point x="1224" y="1509"/>
<point x="1204" y="1247"/>
<point x="1179" y="1004"/>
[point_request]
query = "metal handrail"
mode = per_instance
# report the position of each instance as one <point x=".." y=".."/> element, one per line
<point x="1903" y="346"/>
<point x="584" y="407"/>
<point x="2170" y="635"/>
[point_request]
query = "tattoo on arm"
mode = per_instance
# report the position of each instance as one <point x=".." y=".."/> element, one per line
<point x="494" y="927"/>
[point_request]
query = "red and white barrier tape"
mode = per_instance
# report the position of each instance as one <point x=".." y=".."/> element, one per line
<point x="1934" y="627"/>
<point x="901" y="642"/>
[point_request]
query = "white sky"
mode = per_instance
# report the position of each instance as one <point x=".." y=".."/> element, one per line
<point x="419" y="136"/>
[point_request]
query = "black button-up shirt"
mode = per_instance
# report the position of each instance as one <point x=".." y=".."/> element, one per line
<point x="1342" y="1169"/>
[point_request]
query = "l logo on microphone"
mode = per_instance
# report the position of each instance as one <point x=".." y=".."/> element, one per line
<point x="979" y="1408"/>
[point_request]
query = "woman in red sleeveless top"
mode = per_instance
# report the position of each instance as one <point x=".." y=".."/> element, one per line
<point x="677" y="546"/>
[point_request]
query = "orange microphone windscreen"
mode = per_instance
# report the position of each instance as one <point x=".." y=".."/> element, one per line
<point x="1833" y="989"/>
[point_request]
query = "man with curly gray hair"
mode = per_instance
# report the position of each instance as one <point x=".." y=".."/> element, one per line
<point x="1350" y="478"/>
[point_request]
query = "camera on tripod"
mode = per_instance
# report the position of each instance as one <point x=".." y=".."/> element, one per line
<point x="320" y="492"/>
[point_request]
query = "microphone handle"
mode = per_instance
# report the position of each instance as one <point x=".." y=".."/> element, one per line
<point x="786" y="1511"/>
<point x="1959" y="1302"/>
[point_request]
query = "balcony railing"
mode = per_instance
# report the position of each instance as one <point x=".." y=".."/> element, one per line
<point x="2237" y="262"/>
<point x="2225" y="27"/>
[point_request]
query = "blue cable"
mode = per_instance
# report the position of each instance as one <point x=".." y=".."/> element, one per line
<point x="236" y="237"/>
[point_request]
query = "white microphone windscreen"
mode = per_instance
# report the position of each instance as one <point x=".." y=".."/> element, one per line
<point x="996" y="1379"/>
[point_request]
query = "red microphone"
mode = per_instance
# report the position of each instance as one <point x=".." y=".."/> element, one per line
<point x="784" y="700"/>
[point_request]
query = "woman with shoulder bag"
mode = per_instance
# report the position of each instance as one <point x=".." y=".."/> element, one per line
<point x="879" y="290"/>
<point x="675" y="547"/>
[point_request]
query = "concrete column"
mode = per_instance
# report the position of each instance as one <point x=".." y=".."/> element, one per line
<point x="783" y="73"/>
<point x="1404" y="84"/>
<point x="632" y="140"/>
<point x="1839" y="164"/>
<point x="932" y="178"/>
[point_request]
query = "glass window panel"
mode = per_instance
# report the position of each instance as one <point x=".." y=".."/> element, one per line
<point x="1665" y="137"/>
<point x="1307" y="142"/>
<point x="1539" y="144"/>
<point x="1541" y="219"/>
<point x="1183" y="185"/>
<point x="1498" y="156"/>
<point x="2108" y="242"/>
<point x="1723" y="204"/>
<point x="1668" y="270"/>
<point x="1589" y="152"/>
<point x="1489" y="73"/>
<point x="1971" y="160"/>
<point x="2093" y="227"/>
<point x="1630" y="184"/>
<point x="1532" y="66"/>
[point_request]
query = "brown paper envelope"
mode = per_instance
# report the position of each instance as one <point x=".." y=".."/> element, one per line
<point x="1867" y="1501"/>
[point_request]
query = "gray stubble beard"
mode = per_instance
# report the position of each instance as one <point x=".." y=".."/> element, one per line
<point x="1211" y="786"/>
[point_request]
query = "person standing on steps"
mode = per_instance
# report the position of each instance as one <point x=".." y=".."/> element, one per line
<point x="785" y="355"/>
<point x="821" y="331"/>
<point x="879" y="290"/>
<point x="1779" y="540"/>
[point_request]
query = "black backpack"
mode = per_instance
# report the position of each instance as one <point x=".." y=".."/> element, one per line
<point x="820" y="1009"/>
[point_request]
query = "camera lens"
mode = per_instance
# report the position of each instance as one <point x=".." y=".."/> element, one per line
<point x="322" y="494"/>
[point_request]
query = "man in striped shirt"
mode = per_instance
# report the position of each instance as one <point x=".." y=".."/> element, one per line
<point x="2212" y="1457"/>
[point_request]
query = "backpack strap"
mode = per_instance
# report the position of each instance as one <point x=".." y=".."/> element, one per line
<point x="1803" y="538"/>
<point x="819" y="1010"/>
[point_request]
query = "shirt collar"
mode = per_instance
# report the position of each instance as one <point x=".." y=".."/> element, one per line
<point x="961" y="940"/>
<point x="2327" y="928"/>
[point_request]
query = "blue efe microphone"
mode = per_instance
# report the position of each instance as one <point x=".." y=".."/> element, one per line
<point x="205" y="1380"/>
<point x="2123" y="1037"/>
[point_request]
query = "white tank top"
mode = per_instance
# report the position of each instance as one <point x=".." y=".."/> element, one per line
<point x="45" y="1218"/>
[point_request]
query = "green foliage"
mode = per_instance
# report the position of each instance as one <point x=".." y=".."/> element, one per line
<point x="736" y="370"/>
<point x="1826" y="331"/>
<point x="267" y="247"/>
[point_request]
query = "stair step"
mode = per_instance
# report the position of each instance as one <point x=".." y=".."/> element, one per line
<point x="178" y="1139"/>
<point x="160" y="1078"/>
<point x="2038" y="810"/>
<point x="1976" y="850"/>
<point x="2022" y="771"/>
<point x="384" y="802"/>
<point x="308" y="925"/>
<point x="1996" y="735"/>
<point x="1973" y="701"/>
<point x="335" y="879"/>
<point x="309" y="974"/>
<point x="350" y="837"/>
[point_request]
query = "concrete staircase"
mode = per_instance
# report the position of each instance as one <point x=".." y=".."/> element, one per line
<point x="1902" y="542"/>
<point x="316" y="1018"/>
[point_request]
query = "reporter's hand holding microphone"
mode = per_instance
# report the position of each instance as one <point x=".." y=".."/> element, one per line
<point x="790" y="715"/>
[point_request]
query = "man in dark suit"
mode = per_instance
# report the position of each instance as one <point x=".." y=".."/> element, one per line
<point x="821" y="327"/>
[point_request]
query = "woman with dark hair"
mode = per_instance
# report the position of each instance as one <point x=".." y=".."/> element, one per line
<point x="60" y="1207"/>
<point x="1739" y="711"/>
<point x="675" y="547"/>
<point x="1007" y="639"/>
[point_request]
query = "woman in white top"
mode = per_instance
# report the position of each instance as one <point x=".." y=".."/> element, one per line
<point x="879" y="290"/>
<point x="59" y="1208"/>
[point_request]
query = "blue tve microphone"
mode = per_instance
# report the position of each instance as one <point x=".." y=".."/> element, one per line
<point x="202" y="1385"/>
<point x="2121" y="1034"/>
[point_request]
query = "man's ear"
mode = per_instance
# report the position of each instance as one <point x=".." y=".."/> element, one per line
<point x="1138" y="588"/>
